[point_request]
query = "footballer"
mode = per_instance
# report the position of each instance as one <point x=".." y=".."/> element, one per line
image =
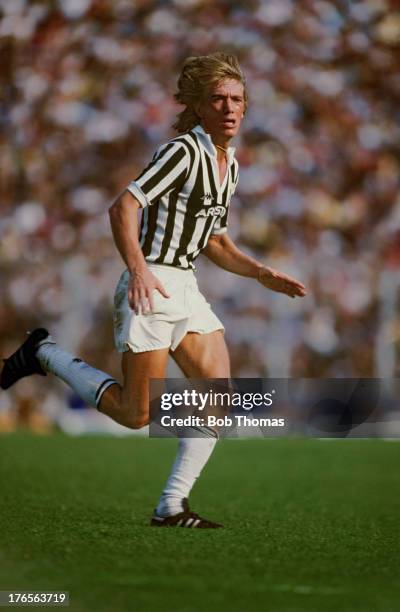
<point x="184" y="194"/>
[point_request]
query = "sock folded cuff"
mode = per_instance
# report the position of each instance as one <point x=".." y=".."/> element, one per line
<point x="103" y="387"/>
<point x="202" y="431"/>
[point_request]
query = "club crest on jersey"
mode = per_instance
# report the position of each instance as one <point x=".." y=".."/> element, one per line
<point x="207" y="199"/>
<point x="213" y="211"/>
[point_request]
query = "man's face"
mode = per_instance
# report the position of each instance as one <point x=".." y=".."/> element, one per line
<point x="222" y="110"/>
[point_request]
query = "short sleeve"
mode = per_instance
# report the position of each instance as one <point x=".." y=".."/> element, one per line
<point x="167" y="170"/>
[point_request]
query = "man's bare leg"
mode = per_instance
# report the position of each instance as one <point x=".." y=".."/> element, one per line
<point x="129" y="404"/>
<point x="203" y="356"/>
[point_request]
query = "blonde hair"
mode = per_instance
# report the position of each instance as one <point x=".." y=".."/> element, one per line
<point x="197" y="76"/>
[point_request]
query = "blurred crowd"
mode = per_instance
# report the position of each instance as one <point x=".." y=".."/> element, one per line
<point x="87" y="95"/>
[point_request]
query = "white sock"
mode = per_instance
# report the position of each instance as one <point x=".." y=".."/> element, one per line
<point x="86" y="381"/>
<point x="193" y="454"/>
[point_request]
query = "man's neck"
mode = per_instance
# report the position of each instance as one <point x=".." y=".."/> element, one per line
<point x="221" y="144"/>
<point x="222" y="153"/>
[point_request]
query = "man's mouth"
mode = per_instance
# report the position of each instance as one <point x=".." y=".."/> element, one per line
<point x="229" y="122"/>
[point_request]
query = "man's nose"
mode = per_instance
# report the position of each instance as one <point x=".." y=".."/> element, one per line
<point x="228" y="105"/>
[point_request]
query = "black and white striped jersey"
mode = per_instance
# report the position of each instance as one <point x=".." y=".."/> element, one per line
<point x="182" y="199"/>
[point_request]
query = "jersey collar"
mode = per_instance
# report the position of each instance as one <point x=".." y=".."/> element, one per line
<point x="205" y="140"/>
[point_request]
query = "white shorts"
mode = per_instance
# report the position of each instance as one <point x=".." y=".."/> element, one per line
<point x="186" y="310"/>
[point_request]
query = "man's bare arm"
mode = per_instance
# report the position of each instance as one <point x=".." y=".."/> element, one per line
<point x="222" y="251"/>
<point x="124" y="224"/>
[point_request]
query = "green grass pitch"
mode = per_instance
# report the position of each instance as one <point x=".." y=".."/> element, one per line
<point x="310" y="525"/>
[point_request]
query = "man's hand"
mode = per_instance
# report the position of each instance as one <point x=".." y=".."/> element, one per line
<point x="276" y="281"/>
<point x="140" y="290"/>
